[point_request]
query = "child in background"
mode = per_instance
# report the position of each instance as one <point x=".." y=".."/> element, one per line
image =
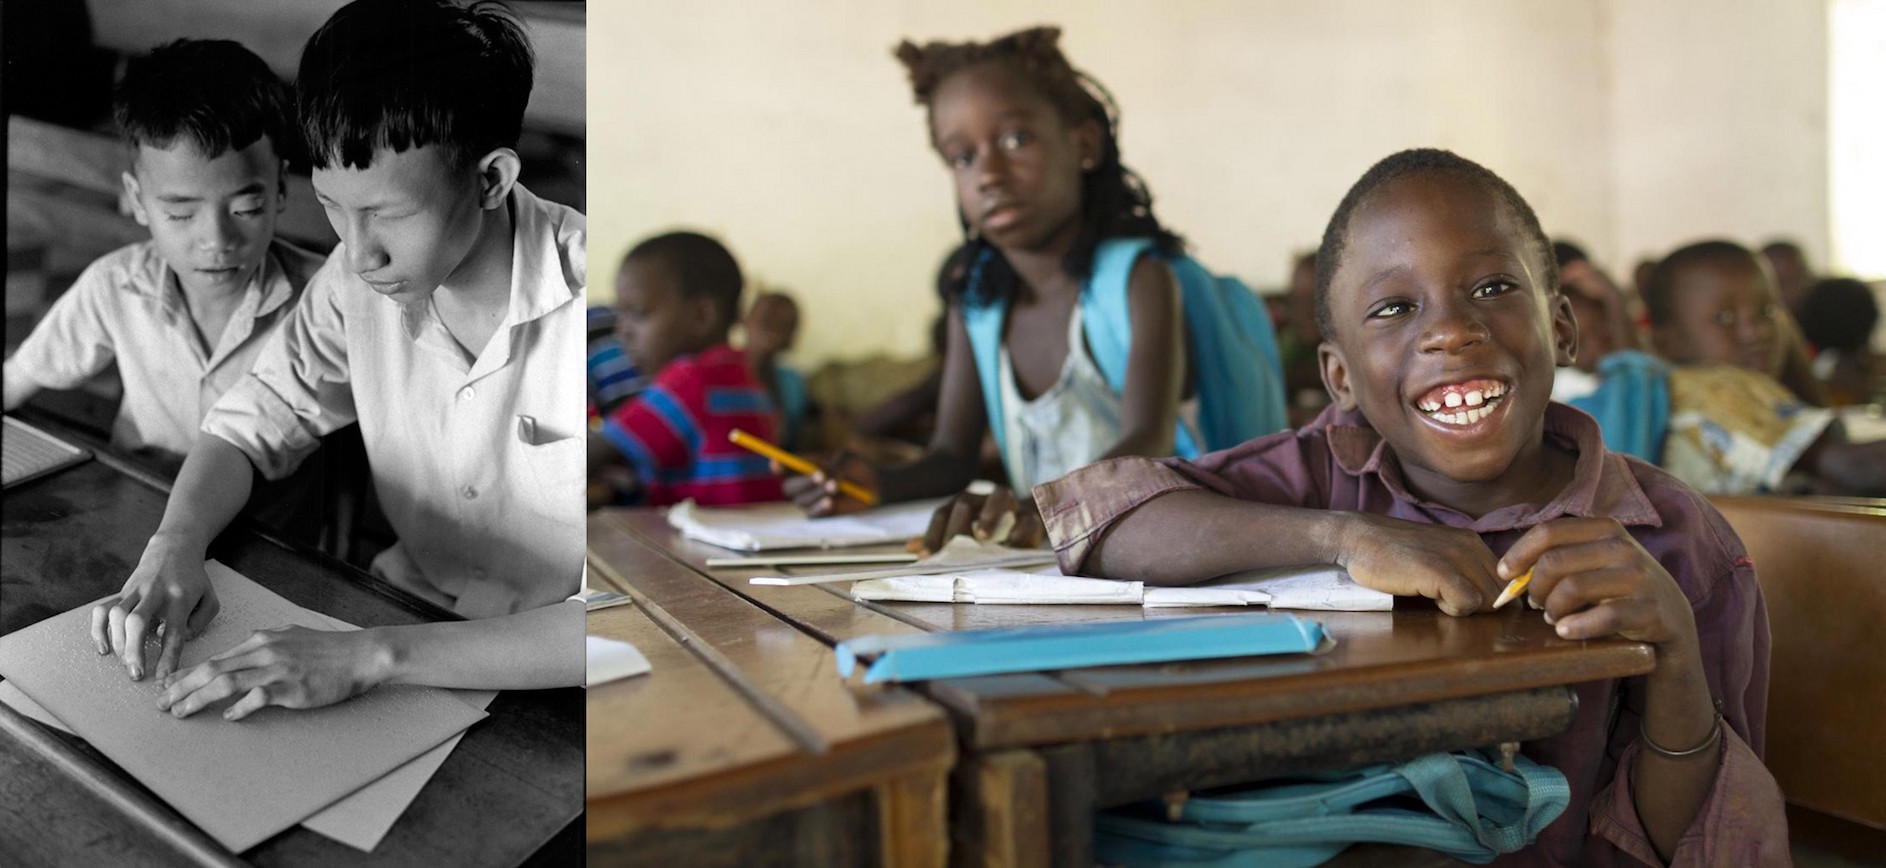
<point x="611" y="378"/>
<point x="184" y="314"/>
<point x="1623" y="388"/>
<point x="1734" y="429"/>
<point x="1067" y="337"/>
<point x="449" y="324"/>
<point x="772" y="327"/>
<point x="1837" y="318"/>
<point x="1443" y="470"/>
<point x="677" y="296"/>
<point x="1297" y="343"/>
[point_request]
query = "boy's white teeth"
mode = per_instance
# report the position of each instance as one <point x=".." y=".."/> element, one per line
<point x="1452" y="399"/>
<point x="1475" y="399"/>
<point x="1467" y="416"/>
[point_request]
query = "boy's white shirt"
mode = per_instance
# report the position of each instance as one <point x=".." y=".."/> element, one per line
<point x="126" y="307"/>
<point x="479" y="467"/>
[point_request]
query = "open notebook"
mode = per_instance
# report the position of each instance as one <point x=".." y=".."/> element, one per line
<point x="773" y="526"/>
<point x="29" y="453"/>
<point x="1319" y="588"/>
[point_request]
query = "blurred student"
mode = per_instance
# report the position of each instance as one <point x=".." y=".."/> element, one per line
<point x="1837" y="318"/>
<point x="1734" y="428"/>
<point x="1624" y="389"/>
<point x="677" y="297"/>
<point x="1068" y="338"/>
<point x="610" y="376"/>
<point x="1297" y="341"/>
<point x="772" y="328"/>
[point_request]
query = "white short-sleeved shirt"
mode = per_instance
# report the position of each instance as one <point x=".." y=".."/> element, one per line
<point x="128" y="307"/>
<point x="479" y="466"/>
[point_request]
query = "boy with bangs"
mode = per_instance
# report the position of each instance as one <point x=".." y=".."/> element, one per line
<point x="449" y="323"/>
<point x="185" y="314"/>
<point x="1443" y="470"/>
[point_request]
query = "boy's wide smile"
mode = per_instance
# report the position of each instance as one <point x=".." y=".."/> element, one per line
<point x="1462" y="405"/>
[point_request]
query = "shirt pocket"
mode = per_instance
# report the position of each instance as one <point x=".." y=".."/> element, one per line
<point x="553" y="474"/>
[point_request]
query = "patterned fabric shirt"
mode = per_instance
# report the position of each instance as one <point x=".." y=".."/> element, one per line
<point x="674" y="433"/>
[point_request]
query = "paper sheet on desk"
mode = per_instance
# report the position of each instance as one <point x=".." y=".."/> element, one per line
<point x="775" y="526"/>
<point x="1324" y="589"/>
<point x="611" y="659"/>
<point x="959" y="555"/>
<point x="241" y="782"/>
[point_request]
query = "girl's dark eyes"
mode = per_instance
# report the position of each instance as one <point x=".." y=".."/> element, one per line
<point x="1017" y="139"/>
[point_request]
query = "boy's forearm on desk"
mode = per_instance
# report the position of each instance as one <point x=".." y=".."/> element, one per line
<point x="1189" y="536"/>
<point x="523" y="651"/>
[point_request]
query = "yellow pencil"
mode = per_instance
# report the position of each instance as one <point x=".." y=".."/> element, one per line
<point x="798" y="465"/>
<point x="1513" y="589"/>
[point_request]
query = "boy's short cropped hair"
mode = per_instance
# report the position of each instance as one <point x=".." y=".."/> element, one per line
<point x="1659" y="290"/>
<point x="1413" y="162"/>
<point x="212" y="92"/>
<point x="400" y="74"/>
<point x="700" y="267"/>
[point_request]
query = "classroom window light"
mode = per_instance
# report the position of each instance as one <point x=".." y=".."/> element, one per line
<point x="1857" y="136"/>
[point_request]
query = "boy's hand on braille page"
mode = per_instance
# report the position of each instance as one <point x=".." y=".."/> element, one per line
<point x="168" y="589"/>
<point x="1594" y="581"/>
<point x="1448" y="565"/>
<point x="294" y="667"/>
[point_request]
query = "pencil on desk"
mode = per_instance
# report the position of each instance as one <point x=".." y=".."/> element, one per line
<point x="1513" y="589"/>
<point x="798" y="465"/>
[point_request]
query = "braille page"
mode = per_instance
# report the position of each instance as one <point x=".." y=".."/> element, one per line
<point x="241" y="782"/>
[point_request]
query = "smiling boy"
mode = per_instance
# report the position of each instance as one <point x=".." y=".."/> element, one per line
<point x="185" y="314"/>
<point x="448" y="323"/>
<point x="1442" y="470"/>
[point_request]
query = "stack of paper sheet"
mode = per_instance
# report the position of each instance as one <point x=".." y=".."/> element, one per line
<point x="959" y="555"/>
<point x="242" y="782"/>
<point x="1315" y="588"/>
<point x="785" y="526"/>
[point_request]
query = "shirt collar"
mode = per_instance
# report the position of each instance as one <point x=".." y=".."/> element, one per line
<point x="1602" y="482"/>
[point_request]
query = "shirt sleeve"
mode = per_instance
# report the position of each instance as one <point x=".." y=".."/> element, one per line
<point x="1078" y="509"/>
<point x="658" y="430"/>
<point x="71" y="344"/>
<point x="299" y="389"/>
<point x="1742" y="822"/>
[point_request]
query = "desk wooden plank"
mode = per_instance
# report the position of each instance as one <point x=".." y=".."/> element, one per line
<point x="844" y="738"/>
<point x="1382" y="659"/>
<point x="74" y="536"/>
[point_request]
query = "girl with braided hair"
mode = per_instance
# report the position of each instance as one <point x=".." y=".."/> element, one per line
<point x="1068" y="337"/>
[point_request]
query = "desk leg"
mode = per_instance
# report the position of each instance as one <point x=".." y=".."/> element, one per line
<point x="999" y="808"/>
<point x="1074" y="796"/>
<point x="913" y="820"/>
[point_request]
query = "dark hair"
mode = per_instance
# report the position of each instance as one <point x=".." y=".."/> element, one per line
<point x="399" y="74"/>
<point x="1839" y="313"/>
<point x="1659" y="292"/>
<point x="1565" y="252"/>
<point x="1411" y="162"/>
<point x="213" y="92"/>
<point x="701" y="268"/>
<point x="1114" y="201"/>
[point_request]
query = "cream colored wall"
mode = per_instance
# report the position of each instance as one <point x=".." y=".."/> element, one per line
<point x="1720" y="117"/>
<point x="788" y="130"/>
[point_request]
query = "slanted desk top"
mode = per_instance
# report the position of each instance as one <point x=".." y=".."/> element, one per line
<point x="742" y="717"/>
<point x="509" y="789"/>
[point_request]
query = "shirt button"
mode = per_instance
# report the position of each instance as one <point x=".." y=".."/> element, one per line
<point x="469" y="492"/>
<point x="465" y="394"/>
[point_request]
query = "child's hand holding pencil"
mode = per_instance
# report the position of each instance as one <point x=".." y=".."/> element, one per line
<point x="818" y="490"/>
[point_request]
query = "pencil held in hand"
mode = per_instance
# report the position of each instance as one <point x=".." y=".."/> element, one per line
<point x="798" y="465"/>
<point x="1513" y="589"/>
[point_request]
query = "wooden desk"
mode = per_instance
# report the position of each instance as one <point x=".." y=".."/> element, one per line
<point x="507" y="795"/>
<point x="742" y="745"/>
<point x="1044" y="750"/>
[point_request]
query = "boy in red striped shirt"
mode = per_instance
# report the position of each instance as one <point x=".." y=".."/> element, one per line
<point x="676" y="297"/>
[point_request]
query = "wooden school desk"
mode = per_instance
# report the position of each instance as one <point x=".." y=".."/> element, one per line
<point x="1043" y="751"/>
<point x="508" y="795"/>
<point x="742" y="745"/>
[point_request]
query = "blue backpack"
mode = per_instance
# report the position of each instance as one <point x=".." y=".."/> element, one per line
<point x="1462" y="804"/>
<point x="1632" y="404"/>
<point x="1236" y="365"/>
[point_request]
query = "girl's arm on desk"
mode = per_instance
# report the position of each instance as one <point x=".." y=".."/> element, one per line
<point x="296" y="667"/>
<point x="169" y="586"/>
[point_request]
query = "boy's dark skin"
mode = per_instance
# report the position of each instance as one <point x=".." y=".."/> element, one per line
<point x="1726" y="311"/>
<point x="1439" y="283"/>
<point x="658" y="323"/>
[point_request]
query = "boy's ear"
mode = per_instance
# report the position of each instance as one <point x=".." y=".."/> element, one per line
<point x="130" y="182"/>
<point x="497" y="174"/>
<point x="1564" y="330"/>
<point x="1335" y="370"/>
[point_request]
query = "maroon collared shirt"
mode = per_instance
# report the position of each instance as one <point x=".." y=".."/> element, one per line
<point x="1338" y="462"/>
